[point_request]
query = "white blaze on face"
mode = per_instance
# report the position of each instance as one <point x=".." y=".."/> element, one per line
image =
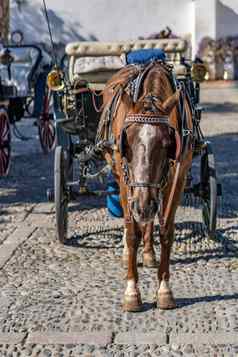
<point x="146" y="133"/>
<point x="131" y="289"/>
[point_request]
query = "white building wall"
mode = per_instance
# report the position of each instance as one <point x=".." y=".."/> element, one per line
<point x="103" y="20"/>
<point x="108" y="20"/>
<point x="205" y="20"/>
<point x="226" y="18"/>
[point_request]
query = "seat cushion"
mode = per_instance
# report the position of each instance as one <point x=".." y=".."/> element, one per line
<point x="85" y="49"/>
<point x="144" y="56"/>
<point x="97" y="77"/>
<point x="99" y="64"/>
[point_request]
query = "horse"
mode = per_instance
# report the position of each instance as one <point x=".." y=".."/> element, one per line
<point x="146" y="115"/>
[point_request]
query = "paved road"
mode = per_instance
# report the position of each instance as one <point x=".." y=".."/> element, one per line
<point x="66" y="300"/>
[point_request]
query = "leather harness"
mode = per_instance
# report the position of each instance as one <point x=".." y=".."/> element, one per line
<point x="134" y="84"/>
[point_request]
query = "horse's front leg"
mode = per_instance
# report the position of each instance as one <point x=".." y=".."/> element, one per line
<point x="165" y="297"/>
<point x="132" y="298"/>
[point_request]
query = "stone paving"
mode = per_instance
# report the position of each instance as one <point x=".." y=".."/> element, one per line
<point x="66" y="300"/>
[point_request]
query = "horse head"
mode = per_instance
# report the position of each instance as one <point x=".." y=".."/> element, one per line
<point x="147" y="145"/>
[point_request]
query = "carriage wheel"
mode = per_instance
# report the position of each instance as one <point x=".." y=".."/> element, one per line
<point x="209" y="189"/>
<point x="46" y="127"/>
<point x="61" y="195"/>
<point x="5" y="143"/>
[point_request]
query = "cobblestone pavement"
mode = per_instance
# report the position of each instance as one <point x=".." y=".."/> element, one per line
<point x="66" y="300"/>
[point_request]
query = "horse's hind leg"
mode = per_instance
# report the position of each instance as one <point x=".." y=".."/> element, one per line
<point x="132" y="298"/>
<point x="149" y="258"/>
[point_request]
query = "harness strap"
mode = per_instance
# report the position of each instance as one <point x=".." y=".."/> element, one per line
<point x="144" y="184"/>
<point x="164" y="218"/>
<point x="139" y="81"/>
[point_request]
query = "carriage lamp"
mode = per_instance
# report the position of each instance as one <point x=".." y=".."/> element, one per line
<point x="199" y="71"/>
<point x="55" y="80"/>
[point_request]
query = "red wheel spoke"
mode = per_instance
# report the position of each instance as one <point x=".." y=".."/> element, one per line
<point x="46" y="127"/>
<point x="47" y="134"/>
<point x="5" y="143"/>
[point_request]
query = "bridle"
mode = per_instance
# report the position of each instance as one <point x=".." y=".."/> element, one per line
<point x="143" y="119"/>
<point x="148" y="119"/>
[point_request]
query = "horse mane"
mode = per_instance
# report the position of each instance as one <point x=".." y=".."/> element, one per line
<point x="122" y="77"/>
<point x="157" y="80"/>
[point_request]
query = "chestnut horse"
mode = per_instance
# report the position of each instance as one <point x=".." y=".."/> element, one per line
<point x="144" y="112"/>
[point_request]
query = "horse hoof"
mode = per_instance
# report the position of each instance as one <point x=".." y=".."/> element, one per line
<point x="132" y="303"/>
<point x="165" y="299"/>
<point x="166" y="302"/>
<point x="149" y="260"/>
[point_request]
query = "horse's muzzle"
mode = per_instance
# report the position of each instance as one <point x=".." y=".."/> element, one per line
<point x="144" y="213"/>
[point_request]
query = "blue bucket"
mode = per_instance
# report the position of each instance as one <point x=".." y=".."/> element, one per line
<point x="113" y="199"/>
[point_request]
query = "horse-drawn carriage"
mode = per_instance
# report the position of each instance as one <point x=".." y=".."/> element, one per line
<point x="23" y="90"/>
<point x="77" y="104"/>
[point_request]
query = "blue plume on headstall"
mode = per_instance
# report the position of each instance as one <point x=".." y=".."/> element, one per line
<point x="144" y="56"/>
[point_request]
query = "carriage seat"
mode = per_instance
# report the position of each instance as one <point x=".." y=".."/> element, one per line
<point x="98" y="69"/>
<point x="96" y="62"/>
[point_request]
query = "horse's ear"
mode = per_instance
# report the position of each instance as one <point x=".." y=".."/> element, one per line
<point x="170" y="103"/>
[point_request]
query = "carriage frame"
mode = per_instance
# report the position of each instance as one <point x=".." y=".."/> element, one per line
<point x="23" y="69"/>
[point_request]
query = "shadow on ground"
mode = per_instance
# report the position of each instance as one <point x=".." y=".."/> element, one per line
<point x="227" y="107"/>
<point x="191" y="301"/>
